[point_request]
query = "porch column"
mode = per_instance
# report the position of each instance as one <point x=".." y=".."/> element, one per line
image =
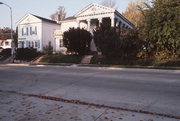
<point x="112" y="21"/>
<point x="122" y="26"/>
<point x="100" y="21"/>
<point x="88" y="24"/>
<point x="119" y="27"/>
<point x="78" y="23"/>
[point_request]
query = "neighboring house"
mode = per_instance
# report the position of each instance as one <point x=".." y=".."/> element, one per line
<point x="89" y="18"/>
<point x="36" y="32"/>
<point x="5" y="43"/>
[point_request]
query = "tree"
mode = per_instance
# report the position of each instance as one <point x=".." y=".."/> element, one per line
<point x="48" y="50"/>
<point x="106" y="40"/>
<point x="113" y="45"/>
<point x="77" y="41"/>
<point x="134" y="14"/>
<point x="59" y="15"/>
<point x="5" y="33"/>
<point x="109" y="3"/>
<point x="161" y="28"/>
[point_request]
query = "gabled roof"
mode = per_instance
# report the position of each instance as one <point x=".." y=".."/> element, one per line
<point x="69" y="18"/>
<point x="38" y="17"/>
<point x="124" y="18"/>
<point x="92" y="5"/>
<point x="45" y="19"/>
<point x="104" y="8"/>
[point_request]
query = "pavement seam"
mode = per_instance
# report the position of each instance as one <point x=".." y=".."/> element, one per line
<point x="74" y="82"/>
<point x="101" y="115"/>
<point x="91" y="104"/>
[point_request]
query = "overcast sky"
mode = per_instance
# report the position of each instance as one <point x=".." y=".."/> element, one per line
<point x="45" y="8"/>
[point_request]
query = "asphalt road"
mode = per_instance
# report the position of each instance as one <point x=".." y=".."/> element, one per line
<point x="148" y="90"/>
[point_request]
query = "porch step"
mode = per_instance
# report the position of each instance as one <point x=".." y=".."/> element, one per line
<point x="86" y="59"/>
<point x="8" y="60"/>
<point x="37" y="60"/>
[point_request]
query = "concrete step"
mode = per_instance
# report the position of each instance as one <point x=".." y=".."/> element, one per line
<point x="86" y="59"/>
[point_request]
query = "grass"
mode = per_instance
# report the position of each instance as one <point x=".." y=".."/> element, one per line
<point x="135" y="62"/>
<point x="62" y="59"/>
<point x="100" y="61"/>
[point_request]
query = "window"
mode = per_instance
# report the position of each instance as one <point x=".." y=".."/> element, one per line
<point x="36" y="44"/>
<point x="30" y="30"/>
<point x="27" y="31"/>
<point x="61" y="43"/>
<point x="36" y="30"/>
<point x="6" y="43"/>
<point x="33" y="30"/>
<point x="29" y="44"/>
<point x="22" y="44"/>
<point x="32" y="44"/>
<point x="22" y="31"/>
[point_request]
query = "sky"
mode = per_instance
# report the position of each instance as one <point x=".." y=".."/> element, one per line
<point x="45" y="8"/>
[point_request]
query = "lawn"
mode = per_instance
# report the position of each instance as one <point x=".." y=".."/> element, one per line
<point x="135" y="62"/>
<point x="62" y="59"/>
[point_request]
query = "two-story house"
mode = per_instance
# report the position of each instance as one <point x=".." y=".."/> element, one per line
<point x="36" y="32"/>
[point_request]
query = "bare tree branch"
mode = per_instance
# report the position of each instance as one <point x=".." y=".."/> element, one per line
<point x="59" y="15"/>
<point x="109" y="3"/>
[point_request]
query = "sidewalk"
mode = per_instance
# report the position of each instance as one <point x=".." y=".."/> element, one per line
<point x="17" y="107"/>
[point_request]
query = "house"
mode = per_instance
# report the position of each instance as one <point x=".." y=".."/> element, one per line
<point x="5" y="43"/>
<point x="89" y="18"/>
<point x="36" y="32"/>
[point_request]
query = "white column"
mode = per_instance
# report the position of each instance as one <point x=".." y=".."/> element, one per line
<point x="88" y="24"/>
<point x="78" y="23"/>
<point x="100" y="21"/>
<point x="112" y="21"/>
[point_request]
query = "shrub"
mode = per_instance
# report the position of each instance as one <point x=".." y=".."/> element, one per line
<point x="112" y="44"/>
<point x="48" y="50"/>
<point x="6" y="52"/>
<point x="26" y="54"/>
<point x="62" y="59"/>
<point x="77" y="41"/>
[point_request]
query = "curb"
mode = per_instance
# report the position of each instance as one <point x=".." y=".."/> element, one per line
<point x="109" y="66"/>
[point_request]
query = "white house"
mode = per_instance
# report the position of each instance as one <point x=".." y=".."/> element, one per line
<point x="89" y="18"/>
<point x="5" y="43"/>
<point x="35" y="31"/>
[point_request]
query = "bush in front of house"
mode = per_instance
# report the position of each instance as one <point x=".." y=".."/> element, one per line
<point x="115" y="44"/>
<point x="77" y="41"/>
<point x="27" y="54"/>
<point x="48" y="50"/>
<point x="104" y="60"/>
<point x="6" y="52"/>
<point x="62" y="59"/>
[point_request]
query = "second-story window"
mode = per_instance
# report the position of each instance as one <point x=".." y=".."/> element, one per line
<point x="22" y="31"/>
<point x="30" y="30"/>
<point x="33" y="30"/>
<point x="36" y="30"/>
<point x="27" y="31"/>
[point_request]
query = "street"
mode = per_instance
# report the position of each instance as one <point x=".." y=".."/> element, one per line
<point x="151" y="90"/>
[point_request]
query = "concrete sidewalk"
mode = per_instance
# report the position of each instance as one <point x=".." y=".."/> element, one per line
<point x="17" y="107"/>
